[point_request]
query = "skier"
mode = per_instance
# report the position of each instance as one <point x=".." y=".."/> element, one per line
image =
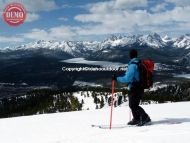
<point x="131" y="78"/>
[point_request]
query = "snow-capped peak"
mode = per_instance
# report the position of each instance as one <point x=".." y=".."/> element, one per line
<point x="183" y="42"/>
<point x="153" y="40"/>
<point x="166" y="38"/>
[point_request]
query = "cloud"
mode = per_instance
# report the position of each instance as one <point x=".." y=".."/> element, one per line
<point x="179" y="2"/>
<point x="54" y="33"/>
<point x="63" y="19"/>
<point x="115" y="5"/>
<point x="102" y="20"/>
<point x="117" y="21"/>
<point x="4" y="39"/>
<point x="40" y="5"/>
<point x="111" y="17"/>
<point x="36" y="34"/>
<point x="114" y="16"/>
<point x="130" y="3"/>
<point x="63" y="32"/>
<point x="32" y="17"/>
<point x="32" y="5"/>
<point x="159" y="7"/>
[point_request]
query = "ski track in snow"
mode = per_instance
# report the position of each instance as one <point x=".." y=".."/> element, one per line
<point x="171" y="124"/>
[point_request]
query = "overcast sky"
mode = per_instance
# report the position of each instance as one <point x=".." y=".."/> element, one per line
<point x="95" y="19"/>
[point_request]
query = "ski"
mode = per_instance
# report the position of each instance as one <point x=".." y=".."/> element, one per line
<point x="119" y="126"/>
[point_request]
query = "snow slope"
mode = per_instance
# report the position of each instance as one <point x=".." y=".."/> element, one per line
<point x="171" y="124"/>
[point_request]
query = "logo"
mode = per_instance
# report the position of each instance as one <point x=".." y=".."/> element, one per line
<point x="14" y="14"/>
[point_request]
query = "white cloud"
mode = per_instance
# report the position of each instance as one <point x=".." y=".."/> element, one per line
<point x="179" y="2"/>
<point x="177" y="15"/>
<point x="123" y="21"/>
<point x="32" y="17"/>
<point x="32" y="5"/>
<point x="115" y="16"/>
<point x="62" y="32"/>
<point x="37" y="34"/>
<point x="40" y="5"/>
<point x="10" y="39"/>
<point x="115" y="22"/>
<point x="130" y="3"/>
<point x="54" y="33"/>
<point x="63" y="19"/>
<point x="159" y="7"/>
<point x="103" y="20"/>
<point x="108" y="18"/>
<point x="112" y="17"/>
<point x="115" y="5"/>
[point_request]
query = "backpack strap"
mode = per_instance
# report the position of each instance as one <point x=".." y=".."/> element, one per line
<point x="136" y="62"/>
<point x="138" y="66"/>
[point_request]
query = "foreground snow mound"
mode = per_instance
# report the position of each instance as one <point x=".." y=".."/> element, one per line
<point x="171" y="123"/>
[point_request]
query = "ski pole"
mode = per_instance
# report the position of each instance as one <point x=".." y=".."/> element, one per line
<point x="112" y="104"/>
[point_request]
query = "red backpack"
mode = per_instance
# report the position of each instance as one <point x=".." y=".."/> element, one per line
<point x="146" y="68"/>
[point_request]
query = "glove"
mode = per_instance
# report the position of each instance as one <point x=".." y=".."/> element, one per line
<point x="114" y="77"/>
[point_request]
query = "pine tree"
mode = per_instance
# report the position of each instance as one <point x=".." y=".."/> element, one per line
<point x="102" y="102"/>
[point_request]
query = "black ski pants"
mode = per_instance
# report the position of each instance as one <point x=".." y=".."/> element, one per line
<point x="135" y="95"/>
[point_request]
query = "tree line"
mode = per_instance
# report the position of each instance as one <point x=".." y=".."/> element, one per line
<point x="42" y="101"/>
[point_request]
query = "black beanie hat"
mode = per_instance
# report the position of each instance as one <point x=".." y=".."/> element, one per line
<point x="133" y="53"/>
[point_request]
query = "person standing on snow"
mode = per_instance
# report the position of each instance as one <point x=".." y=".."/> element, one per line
<point x="132" y="78"/>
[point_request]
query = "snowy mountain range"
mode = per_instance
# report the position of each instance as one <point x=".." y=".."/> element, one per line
<point x="115" y="48"/>
<point x="74" y="47"/>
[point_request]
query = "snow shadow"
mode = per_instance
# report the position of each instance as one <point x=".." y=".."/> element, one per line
<point x="170" y="121"/>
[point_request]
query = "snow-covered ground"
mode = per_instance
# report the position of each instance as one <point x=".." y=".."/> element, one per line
<point x="171" y="124"/>
<point x="184" y="76"/>
<point x="97" y="63"/>
<point x="82" y="84"/>
<point x="156" y="86"/>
